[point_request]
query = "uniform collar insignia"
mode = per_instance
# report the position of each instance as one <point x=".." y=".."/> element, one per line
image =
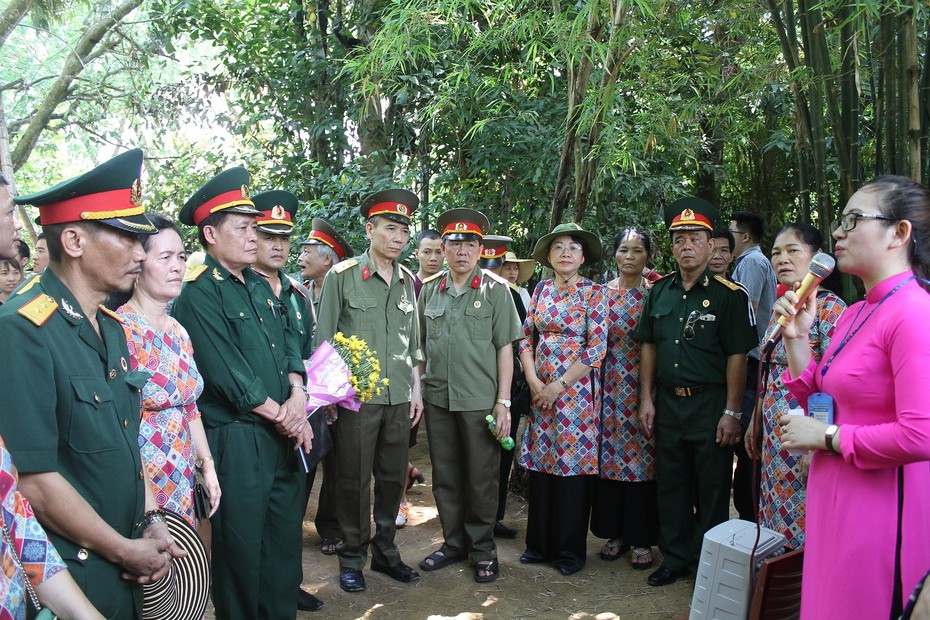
<point x="366" y="272"/>
<point x="442" y="285"/>
<point x="69" y="310"/>
<point x="706" y="280"/>
<point x="216" y="274"/>
<point x="476" y="282"/>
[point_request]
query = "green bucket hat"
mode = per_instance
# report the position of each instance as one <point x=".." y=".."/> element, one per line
<point x="592" y="243"/>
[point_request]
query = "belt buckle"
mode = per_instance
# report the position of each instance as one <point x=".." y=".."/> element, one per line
<point x="682" y="391"/>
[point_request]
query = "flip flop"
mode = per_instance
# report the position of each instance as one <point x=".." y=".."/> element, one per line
<point x="439" y="560"/>
<point x="641" y="553"/>
<point x="487" y="566"/>
<point x="617" y="547"/>
<point x="328" y="546"/>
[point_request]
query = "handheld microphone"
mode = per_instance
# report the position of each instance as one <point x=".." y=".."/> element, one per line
<point x="820" y="267"/>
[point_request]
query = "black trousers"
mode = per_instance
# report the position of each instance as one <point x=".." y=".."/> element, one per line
<point x="745" y="497"/>
<point x="557" y="520"/>
<point x="627" y="511"/>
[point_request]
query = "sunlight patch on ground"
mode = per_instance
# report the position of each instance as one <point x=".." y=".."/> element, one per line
<point x="465" y="615"/>
<point x="489" y="601"/>
<point x="368" y="615"/>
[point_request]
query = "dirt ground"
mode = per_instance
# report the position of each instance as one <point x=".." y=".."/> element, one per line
<point x="602" y="590"/>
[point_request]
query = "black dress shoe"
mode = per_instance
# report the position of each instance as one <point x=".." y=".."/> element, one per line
<point x="399" y="572"/>
<point x="308" y="602"/>
<point x="665" y="575"/>
<point x="351" y="579"/>
<point x="569" y="569"/>
<point x="502" y="531"/>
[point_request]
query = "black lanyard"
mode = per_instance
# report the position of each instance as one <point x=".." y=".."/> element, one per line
<point x="852" y="332"/>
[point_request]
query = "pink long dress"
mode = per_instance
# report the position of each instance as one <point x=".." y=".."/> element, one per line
<point x="880" y="383"/>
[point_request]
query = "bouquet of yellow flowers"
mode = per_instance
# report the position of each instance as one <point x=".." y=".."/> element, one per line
<point x="364" y="368"/>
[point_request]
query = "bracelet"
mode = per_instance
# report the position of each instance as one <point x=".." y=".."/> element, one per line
<point x="152" y="517"/>
<point x="562" y="381"/>
<point x="300" y="386"/>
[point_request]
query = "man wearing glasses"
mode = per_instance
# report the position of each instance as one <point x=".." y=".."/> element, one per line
<point x="695" y="332"/>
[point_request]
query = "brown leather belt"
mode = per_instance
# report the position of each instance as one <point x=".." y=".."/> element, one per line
<point x="691" y="390"/>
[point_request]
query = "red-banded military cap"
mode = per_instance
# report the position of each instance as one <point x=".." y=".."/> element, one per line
<point x="228" y="191"/>
<point x="690" y="213"/>
<point x="324" y="234"/>
<point x="110" y="194"/>
<point x="394" y="204"/>
<point x="495" y="246"/>
<point x="278" y="210"/>
<point x="462" y="225"/>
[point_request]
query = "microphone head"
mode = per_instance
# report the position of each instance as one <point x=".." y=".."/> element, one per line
<point x="822" y="265"/>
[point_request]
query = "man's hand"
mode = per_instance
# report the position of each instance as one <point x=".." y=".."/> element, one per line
<point x="728" y="431"/>
<point x="148" y="559"/>
<point x="416" y="409"/>
<point x="647" y="417"/>
<point x="502" y="420"/>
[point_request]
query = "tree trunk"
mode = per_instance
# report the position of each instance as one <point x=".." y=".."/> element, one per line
<point x="11" y="16"/>
<point x="74" y="64"/>
<point x="912" y="70"/>
<point x="6" y="165"/>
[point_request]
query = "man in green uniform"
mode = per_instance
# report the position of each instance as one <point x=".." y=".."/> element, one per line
<point x="372" y="297"/>
<point x="323" y="248"/>
<point x="253" y="406"/>
<point x="279" y="208"/>
<point x="695" y="333"/>
<point x="70" y="406"/>
<point x="467" y="319"/>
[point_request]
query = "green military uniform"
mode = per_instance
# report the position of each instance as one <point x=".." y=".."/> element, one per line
<point x="245" y="348"/>
<point x="462" y="332"/>
<point x="68" y="402"/>
<point x="691" y="396"/>
<point x="357" y="301"/>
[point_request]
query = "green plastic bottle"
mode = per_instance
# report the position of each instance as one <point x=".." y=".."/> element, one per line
<point x="506" y="442"/>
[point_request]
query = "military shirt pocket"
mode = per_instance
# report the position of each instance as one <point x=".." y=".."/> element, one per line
<point x="241" y="325"/>
<point x="405" y="306"/>
<point x="478" y="320"/>
<point x="433" y="316"/>
<point x="92" y="416"/>
<point x="705" y="335"/>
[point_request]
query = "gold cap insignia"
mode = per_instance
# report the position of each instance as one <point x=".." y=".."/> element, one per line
<point x="402" y="208"/>
<point x="244" y="190"/>
<point x="687" y="215"/>
<point x="277" y="212"/>
<point x="135" y="193"/>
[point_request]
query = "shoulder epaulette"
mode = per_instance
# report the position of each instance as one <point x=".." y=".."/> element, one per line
<point x="733" y="286"/>
<point x="434" y="276"/>
<point x="39" y="309"/>
<point x="496" y="277"/>
<point x="28" y="284"/>
<point x="192" y="274"/>
<point x="301" y="290"/>
<point x="346" y="264"/>
<point x="112" y="314"/>
<point x="407" y="271"/>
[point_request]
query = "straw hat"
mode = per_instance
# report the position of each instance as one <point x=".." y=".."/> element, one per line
<point x="527" y="266"/>
<point x="181" y="594"/>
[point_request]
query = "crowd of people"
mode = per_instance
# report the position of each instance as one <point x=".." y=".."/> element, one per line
<point x="148" y="380"/>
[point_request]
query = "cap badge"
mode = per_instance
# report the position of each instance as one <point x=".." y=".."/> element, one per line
<point x="461" y="226"/>
<point x="135" y="193"/>
<point x="69" y="310"/>
<point x="402" y="208"/>
<point x="277" y="212"/>
<point x="687" y="215"/>
<point x="244" y="190"/>
<point x="216" y="273"/>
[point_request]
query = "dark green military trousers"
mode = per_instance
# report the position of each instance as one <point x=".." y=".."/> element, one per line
<point x="688" y="460"/>
<point x="257" y="530"/>
<point x="372" y="441"/>
<point x="466" y="474"/>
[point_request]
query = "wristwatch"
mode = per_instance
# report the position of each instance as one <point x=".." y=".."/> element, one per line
<point x="733" y="414"/>
<point x="199" y="463"/>
<point x="828" y="436"/>
<point x="503" y="401"/>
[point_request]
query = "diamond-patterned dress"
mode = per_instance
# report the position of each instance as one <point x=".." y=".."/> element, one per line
<point x="626" y="454"/>
<point x="571" y="325"/>
<point x="782" y="501"/>
<point x="169" y="403"/>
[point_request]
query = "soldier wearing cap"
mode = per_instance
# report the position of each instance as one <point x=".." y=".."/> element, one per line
<point x="372" y="297"/>
<point x="75" y="434"/>
<point x="468" y="324"/>
<point x="695" y="333"/>
<point x="253" y="404"/>
<point x="323" y="248"/>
